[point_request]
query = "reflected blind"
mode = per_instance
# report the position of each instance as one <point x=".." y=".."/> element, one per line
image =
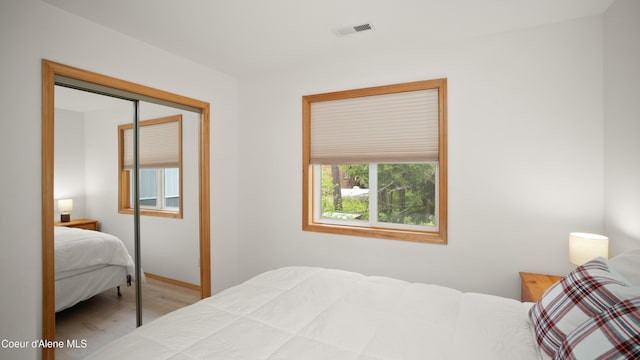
<point x="392" y="128"/>
<point x="159" y="146"/>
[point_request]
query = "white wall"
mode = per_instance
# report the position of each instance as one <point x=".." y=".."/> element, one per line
<point x="69" y="161"/>
<point x="31" y="30"/>
<point x="622" y="124"/>
<point x="525" y="158"/>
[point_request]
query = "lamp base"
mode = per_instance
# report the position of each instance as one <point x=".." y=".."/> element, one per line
<point x="65" y="217"/>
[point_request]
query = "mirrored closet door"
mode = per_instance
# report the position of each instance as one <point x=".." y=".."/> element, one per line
<point x="93" y="245"/>
<point x="126" y="165"/>
<point x="168" y="193"/>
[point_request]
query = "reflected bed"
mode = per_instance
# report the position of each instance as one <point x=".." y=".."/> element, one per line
<point x="87" y="263"/>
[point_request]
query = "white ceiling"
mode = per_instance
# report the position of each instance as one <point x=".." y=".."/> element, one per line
<point x="242" y="37"/>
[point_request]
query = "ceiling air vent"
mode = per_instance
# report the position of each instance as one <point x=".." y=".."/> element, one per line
<point x="353" y="29"/>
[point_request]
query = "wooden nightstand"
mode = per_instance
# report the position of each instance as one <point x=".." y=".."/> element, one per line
<point x="534" y="285"/>
<point x="80" y="224"/>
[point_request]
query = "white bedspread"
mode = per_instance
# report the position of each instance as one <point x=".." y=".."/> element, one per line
<point x="301" y="313"/>
<point x="77" y="249"/>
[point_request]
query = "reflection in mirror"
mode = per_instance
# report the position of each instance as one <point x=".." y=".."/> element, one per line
<point x="86" y="289"/>
<point x="170" y="246"/>
<point x="89" y="307"/>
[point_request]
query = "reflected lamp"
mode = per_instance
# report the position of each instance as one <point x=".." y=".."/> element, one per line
<point x="64" y="207"/>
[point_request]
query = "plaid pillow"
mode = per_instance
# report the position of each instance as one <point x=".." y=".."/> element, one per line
<point x="614" y="334"/>
<point x="586" y="292"/>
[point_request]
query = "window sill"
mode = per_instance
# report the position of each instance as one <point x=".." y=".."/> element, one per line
<point x="432" y="237"/>
<point x="158" y="213"/>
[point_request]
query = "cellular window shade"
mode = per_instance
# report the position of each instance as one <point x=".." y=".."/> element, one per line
<point x="159" y="146"/>
<point x="393" y="128"/>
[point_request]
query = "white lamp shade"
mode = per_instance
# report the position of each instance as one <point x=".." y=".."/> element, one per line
<point x="584" y="247"/>
<point x="65" y="205"/>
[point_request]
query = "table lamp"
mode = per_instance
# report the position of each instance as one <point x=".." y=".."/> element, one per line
<point x="584" y="247"/>
<point x="65" y="206"/>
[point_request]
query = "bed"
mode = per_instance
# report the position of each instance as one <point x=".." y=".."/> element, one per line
<point x="87" y="263"/>
<point x="312" y="313"/>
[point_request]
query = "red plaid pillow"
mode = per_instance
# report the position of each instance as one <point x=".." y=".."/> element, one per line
<point x="584" y="293"/>
<point x="614" y="334"/>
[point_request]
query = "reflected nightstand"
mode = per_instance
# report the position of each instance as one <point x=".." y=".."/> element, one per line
<point x="86" y="224"/>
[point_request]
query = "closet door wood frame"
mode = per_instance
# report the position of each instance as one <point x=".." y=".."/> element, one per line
<point x="52" y="69"/>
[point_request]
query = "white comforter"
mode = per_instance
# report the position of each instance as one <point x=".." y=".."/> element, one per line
<point x="77" y="249"/>
<point x="301" y="313"/>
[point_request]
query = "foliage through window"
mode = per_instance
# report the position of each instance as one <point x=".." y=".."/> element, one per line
<point x="405" y="193"/>
<point x="392" y="183"/>
<point x="160" y="167"/>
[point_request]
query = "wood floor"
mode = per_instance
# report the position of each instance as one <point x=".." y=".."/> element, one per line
<point x="106" y="317"/>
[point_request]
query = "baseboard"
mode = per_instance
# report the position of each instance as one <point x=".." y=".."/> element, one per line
<point x="173" y="281"/>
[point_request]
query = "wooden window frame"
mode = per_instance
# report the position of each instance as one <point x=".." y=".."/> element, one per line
<point x="124" y="178"/>
<point x="438" y="236"/>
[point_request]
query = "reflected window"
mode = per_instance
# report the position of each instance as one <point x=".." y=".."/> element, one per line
<point x="160" y="167"/>
<point x="159" y="188"/>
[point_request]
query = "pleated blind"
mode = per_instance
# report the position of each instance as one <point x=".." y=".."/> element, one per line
<point x="393" y="128"/>
<point x="159" y="146"/>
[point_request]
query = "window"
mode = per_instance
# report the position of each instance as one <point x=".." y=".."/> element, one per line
<point x="160" y="167"/>
<point x="375" y="162"/>
<point x="159" y="189"/>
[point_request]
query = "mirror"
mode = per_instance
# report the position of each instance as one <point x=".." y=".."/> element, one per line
<point x="88" y="308"/>
<point x="178" y="248"/>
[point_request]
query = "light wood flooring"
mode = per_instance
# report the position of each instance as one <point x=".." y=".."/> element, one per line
<point x="106" y="317"/>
